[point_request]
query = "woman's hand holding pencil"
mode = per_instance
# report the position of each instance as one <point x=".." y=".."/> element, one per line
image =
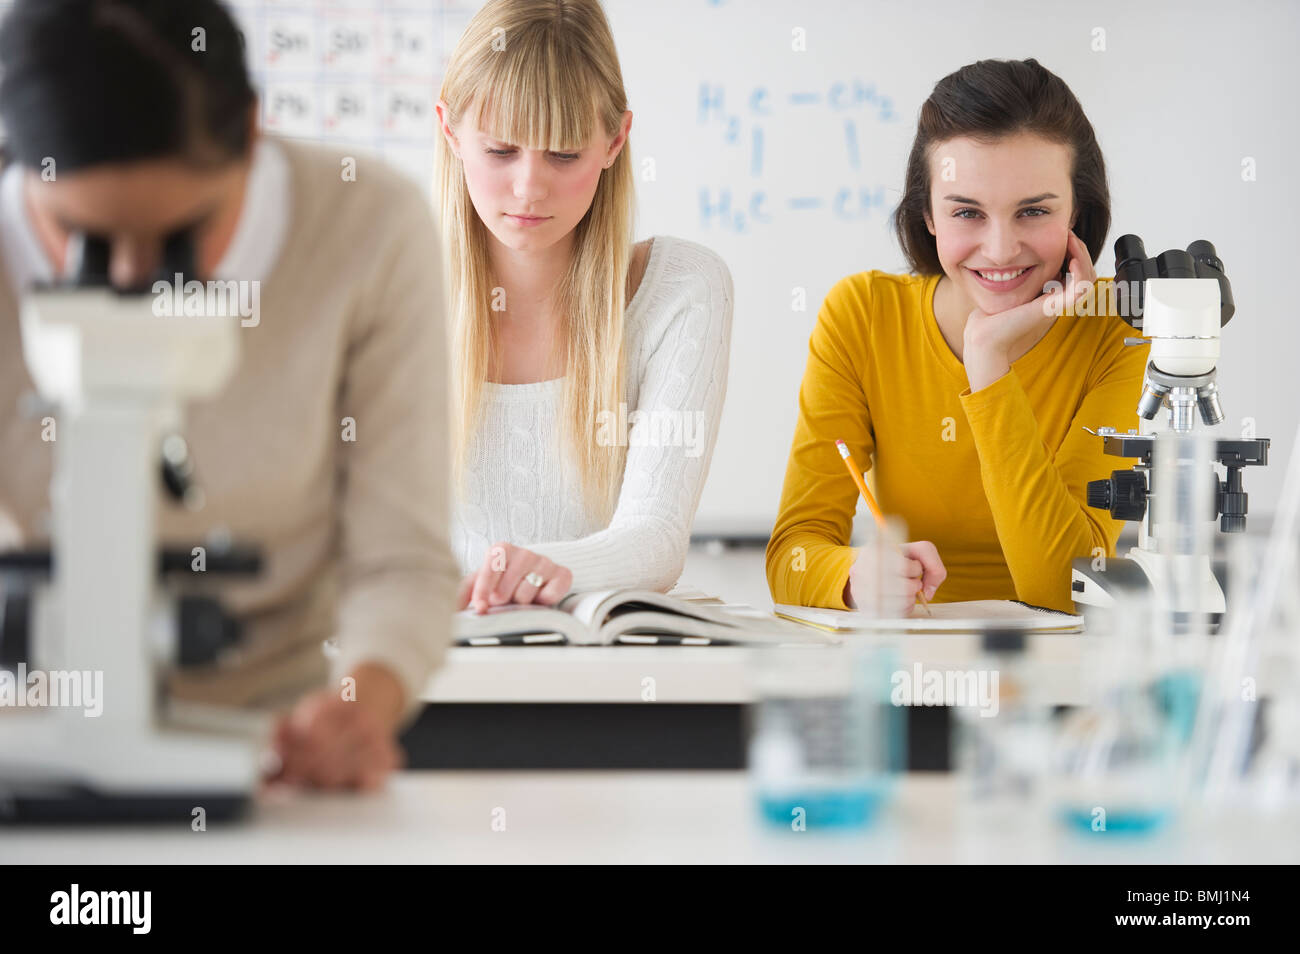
<point x="915" y="570"/>
<point x="912" y="572"/>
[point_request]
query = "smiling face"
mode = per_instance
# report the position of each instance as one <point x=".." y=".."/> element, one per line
<point x="1001" y="214"/>
<point x="531" y="199"/>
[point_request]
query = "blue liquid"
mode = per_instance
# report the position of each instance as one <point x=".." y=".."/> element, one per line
<point x="1132" y="823"/>
<point x="1178" y="694"/>
<point x="850" y="807"/>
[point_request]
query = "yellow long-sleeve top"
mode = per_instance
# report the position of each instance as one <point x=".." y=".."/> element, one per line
<point x="996" y="479"/>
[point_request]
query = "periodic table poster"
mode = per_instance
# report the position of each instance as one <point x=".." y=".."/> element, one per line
<point x="362" y="75"/>
<point x="359" y="74"/>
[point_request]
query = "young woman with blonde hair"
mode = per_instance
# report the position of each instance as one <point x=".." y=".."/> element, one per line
<point x="564" y="332"/>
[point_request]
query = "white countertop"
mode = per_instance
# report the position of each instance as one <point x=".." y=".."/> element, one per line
<point x="440" y="817"/>
<point x="717" y="674"/>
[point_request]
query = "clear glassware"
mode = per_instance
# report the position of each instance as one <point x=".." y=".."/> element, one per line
<point x="826" y="743"/>
<point x="1002" y="751"/>
<point x="1124" y="762"/>
<point x="1247" y="742"/>
<point x="879" y="589"/>
<point x="1116" y="763"/>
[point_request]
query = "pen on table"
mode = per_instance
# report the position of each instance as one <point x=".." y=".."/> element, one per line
<point x="871" y="503"/>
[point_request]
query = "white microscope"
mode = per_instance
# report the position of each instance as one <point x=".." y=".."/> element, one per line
<point x="1179" y="300"/>
<point x="104" y="599"/>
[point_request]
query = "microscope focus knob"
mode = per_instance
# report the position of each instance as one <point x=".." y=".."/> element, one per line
<point x="15" y="619"/>
<point x="1123" y="493"/>
<point x="206" y="630"/>
<point x="1232" y="523"/>
<point x="1233" y="502"/>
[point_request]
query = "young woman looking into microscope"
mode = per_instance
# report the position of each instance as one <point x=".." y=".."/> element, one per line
<point x="144" y="136"/>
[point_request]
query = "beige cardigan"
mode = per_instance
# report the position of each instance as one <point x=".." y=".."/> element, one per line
<point x="354" y="533"/>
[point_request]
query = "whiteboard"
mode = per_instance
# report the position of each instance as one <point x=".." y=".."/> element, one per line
<point x="1181" y="94"/>
<point x="788" y="161"/>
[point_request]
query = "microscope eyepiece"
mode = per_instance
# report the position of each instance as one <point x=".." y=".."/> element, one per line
<point x="1209" y="265"/>
<point x="1133" y="268"/>
<point x="90" y="261"/>
<point x="1130" y="263"/>
<point x="1128" y="250"/>
<point x="90" y="254"/>
<point x="1202" y="250"/>
<point x="178" y="255"/>
<point x="1175" y="263"/>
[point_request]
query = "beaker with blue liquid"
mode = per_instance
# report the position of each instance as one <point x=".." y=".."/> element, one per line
<point x="826" y="742"/>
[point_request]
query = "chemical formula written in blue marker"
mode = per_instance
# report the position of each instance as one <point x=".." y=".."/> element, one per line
<point x="850" y="104"/>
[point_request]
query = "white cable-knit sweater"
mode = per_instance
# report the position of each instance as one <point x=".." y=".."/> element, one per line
<point x="520" y="486"/>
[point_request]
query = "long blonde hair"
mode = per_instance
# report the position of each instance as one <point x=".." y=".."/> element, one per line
<point x="535" y="71"/>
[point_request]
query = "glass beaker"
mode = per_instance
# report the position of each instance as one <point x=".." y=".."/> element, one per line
<point x="826" y="742"/>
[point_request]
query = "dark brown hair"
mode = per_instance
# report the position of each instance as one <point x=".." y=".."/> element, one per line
<point x="987" y="101"/>
<point x="89" y="82"/>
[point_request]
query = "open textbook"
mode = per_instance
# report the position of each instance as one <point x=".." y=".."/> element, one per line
<point x="972" y="616"/>
<point x="629" y="617"/>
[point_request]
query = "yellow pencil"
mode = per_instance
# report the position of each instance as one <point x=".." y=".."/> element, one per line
<point x="871" y="501"/>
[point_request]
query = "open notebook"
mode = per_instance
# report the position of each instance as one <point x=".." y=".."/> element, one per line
<point x="628" y="617"/>
<point x="972" y="616"/>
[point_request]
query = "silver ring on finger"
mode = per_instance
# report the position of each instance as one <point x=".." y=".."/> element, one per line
<point x="535" y="579"/>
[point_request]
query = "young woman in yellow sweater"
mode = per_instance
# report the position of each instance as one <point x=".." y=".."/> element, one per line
<point x="968" y="383"/>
